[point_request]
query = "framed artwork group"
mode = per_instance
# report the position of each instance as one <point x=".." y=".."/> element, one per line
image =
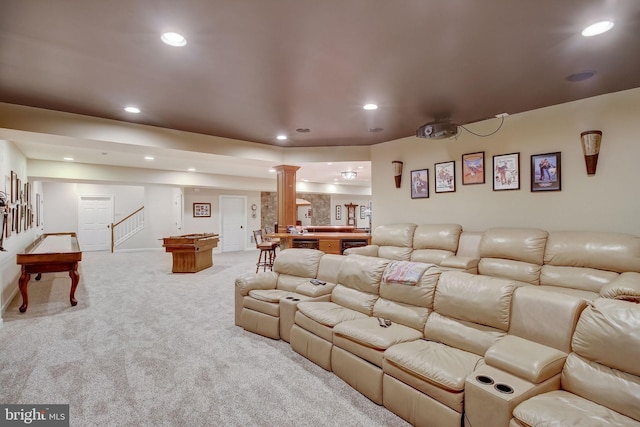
<point x="18" y="209"/>
<point x="201" y="210"/>
<point x="505" y="173"/>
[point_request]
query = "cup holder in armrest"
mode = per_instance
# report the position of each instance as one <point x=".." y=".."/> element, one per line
<point x="483" y="379"/>
<point x="503" y="388"/>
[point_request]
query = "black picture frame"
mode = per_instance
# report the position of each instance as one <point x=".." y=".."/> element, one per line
<point x="444" y="177"/>
<point x="201" y="210"/>
<point x="506" y="172"/>
<point x="546" y="172"/>
<point x="473" y="168"/>
<point x="420" y="184"/>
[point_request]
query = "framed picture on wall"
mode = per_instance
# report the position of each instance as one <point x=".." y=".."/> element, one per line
<point x="445" y="176"/>
<point x="473" y="168"/>
<point x="201" y="210"/>
<point x="545" y="172"/>
<point x="14" y="187"/>
<point x="420" y="184"/>
<point x="362" y="211"/>
<point x="338" y="212"/>
<point x="506" y="172"/>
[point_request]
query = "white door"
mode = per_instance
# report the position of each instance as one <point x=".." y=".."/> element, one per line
<point x="95" y="215"/>
<point x="233" y="214"/>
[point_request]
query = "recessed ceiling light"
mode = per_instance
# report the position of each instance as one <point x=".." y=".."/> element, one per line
<point x="68" y="159"/>
<point x="148" y="157"/>
<point x="329" y="163"/>
<point x="173" y="39"/>
<point x="370" y="107"/>
<point x="272" y="170"/>
<point x="281" y="137"/>
<point x="191" y="169"/>
<point x="132" y="109"/>
<point x="578" y="77"/>
<point x="597" y="28"/>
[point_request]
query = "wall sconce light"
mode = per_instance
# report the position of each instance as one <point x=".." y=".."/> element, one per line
<point x="349" y="175"/>
<point x="397" y="172"/>
<point x="591" y="148"/>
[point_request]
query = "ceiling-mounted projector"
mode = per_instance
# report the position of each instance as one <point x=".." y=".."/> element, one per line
<point x="437" y="130"/>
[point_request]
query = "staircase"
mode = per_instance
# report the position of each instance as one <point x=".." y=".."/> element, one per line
<point x="127" y="227"/>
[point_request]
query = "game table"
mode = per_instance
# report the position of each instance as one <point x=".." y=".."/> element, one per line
<point x="50" y="253"/>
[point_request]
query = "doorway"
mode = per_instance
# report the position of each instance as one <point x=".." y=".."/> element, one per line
<point x="233" y="223"/>
<point x="95" y="215"/>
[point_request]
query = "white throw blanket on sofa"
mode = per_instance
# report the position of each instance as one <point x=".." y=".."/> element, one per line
<point x="404" y="272"/>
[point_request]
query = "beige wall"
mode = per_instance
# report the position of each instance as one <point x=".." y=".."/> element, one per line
<point x="212" y="224"/>
<point x="608" y="201"/>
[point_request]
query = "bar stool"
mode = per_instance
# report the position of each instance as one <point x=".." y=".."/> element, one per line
<point x="267" y="251"/>
<point x="266" y="231"/>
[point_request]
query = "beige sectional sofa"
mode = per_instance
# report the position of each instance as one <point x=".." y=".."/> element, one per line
<point x="600" y="381"/>
<point x="546" y="334"/>
<point x="265" y="303"/>
<point x="582" y="263"/>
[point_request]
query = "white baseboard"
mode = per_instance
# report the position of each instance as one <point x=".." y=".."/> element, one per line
<point x="138" y="250"/>
<point x="6" y="303"/>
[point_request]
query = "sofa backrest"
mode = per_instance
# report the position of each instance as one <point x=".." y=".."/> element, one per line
<point x="470" y="312"/>
<point x="513" y="253"/>
<point x="394" y="241"/>
<point x="469" y="244"/>
<point x="604" y="365"/>
<point x="329" y="267"/>
<point x="544" y="317"/>
<point x="296" y="266"/>
<point x="434" y="242"/>
<point x="586" y="260"/>
<point x="407" y="302"/>
<point x="359" y="282"/>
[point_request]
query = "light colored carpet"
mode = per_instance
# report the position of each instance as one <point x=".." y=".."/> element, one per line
<point x="147" y="347"/>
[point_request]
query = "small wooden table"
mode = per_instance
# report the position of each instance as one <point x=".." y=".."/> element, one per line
<point x="50" y="253"/>
<point x="191" y="252"/>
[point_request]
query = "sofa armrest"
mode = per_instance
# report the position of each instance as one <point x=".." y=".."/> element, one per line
<point x="526" y="359"/>
<point x="460" y="263"/>
<point x="625" y="287"/>
<point x="369" y="250"/>
<point x="250" y="281"/>
<point x="314" y="291"/>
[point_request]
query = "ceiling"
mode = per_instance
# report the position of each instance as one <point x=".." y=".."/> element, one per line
<point x="254" y="69"/>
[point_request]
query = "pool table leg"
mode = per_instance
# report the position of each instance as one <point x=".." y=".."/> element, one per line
<point x="75" y="278"/>
<point x="22" y="284"/>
